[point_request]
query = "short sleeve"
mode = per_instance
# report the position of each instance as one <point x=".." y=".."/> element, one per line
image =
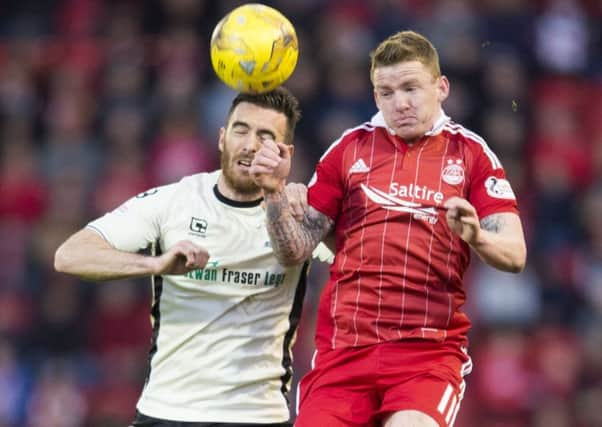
<point x="135" y="224"/>
<point x="325" y="189"/>
<point x="490" y="191"/>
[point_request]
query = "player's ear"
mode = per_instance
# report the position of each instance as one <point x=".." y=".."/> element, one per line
<point x="291" y="149"/>
<point x="442" y="88"/>
<point x="220" y="144"/>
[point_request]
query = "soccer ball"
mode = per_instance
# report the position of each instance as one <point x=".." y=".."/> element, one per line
<point x="254" y="48"/>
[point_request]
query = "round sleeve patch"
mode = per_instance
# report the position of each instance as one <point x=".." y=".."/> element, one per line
<point x="499" y="188"/>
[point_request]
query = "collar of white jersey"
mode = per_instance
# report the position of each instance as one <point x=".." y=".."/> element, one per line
<point x="379" y="121"/>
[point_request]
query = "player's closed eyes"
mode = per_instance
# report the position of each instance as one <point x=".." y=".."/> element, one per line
<point x="265" y="137"/>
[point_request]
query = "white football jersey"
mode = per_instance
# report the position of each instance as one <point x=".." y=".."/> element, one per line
<point x="222" y="335"/>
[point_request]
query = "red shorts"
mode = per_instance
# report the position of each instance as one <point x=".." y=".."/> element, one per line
<point x="362" y="386"/>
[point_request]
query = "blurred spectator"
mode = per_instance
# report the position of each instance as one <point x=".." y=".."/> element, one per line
<point x="551" y="348"/>
<point x="553" y="413"/>
<point x="505" y="381"/>
<point x="561" y="37"/>
<point x="100" y="100"/>
<point x="22" y="187"/>
<point x="13" y="386"/>
<point x="123" y="174"/>
<point x="504" y="299"/>
<point x="179" y="149"/>
<point x="60" y="310"/>
<point x="117" y="304"/>
<point x="56" y="399"/>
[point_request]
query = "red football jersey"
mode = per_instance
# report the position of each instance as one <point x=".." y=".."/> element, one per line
<point x="398" y="268"/>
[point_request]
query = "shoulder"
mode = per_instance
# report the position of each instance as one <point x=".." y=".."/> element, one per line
<point x="471" y="142"/>
<point x="198" y="182"/>
<point x="183" y="189"/>
<point x="350" y="137"/>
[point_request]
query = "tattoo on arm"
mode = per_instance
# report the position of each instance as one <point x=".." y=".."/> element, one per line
<point x="494" y="223"/>
<point x="292" y="241"/>
<point x="316" y="225"/>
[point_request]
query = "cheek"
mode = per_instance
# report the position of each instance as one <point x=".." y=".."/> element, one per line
<point x="377" y="102"/>
<point x="425" y="100"/>
<point x="385" y="104"/>
<point x="230" y="144"/>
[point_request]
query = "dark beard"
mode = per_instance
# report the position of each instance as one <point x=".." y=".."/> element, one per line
<point x="242" y="186"/>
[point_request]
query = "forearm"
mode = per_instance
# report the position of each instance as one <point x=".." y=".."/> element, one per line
<point x="501" y="243"/>
<point x="89" y="257"/>
<point x="505" y="254"/>
<point x="292" y="241"/>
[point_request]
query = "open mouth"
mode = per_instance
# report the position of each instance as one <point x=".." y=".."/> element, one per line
<point x="245" y="163"/>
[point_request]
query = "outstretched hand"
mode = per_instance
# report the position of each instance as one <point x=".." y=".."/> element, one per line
<point x="181" y="258"/>
<point x="271" y="165"/>
<point x="462" y="218"/>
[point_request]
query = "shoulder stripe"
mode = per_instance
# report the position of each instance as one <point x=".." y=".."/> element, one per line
<point x="459" y="129"/>
<point x="364" y="126"/>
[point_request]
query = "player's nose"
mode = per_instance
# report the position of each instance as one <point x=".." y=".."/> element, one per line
<point x="400" y="101"/>
<point x="252" y="144"/>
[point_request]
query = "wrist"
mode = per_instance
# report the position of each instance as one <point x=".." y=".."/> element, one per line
<point x="480" y="240"/>
<point x="151" y="265"/>
<point x="275" y="191"/>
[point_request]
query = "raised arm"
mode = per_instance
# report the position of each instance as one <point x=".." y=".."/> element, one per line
<point x="293" y="241"/>
<point x="90" y="257"/>
<point x="498" y="239"/>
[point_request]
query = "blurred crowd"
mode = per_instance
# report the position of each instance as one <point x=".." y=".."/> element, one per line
<point x="102" y="99"/>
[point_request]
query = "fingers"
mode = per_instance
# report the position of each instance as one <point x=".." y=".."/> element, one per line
<point x="271" y="165"/>
<point x="455" y="203"/>
<point x="458" y="207"/>
<point x="196" y="256"/>
<point x="266" y="159"/>
<point x="451" y="215"/>
<point x="264" y="162"/>
<point x="462" y="218"/>
<point x="284" y="150"/>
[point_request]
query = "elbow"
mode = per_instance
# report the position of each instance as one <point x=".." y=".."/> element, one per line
<point x="517" y="267"/>
<point x="61" y="264"/>
<point x="519" y="263"/>
<point x="511" y="262"/>
<point x="509" y="266"/>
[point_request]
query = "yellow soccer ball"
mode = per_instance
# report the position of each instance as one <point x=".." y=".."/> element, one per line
<point x="254" y="48"/>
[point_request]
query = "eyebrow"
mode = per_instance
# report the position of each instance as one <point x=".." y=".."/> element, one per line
<point x="261" y="132"/>
<point x="410" y="81"/>
<point x="239" y="123"/>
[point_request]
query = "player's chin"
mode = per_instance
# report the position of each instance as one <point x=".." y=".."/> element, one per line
<point x="246" y="184"/>
<point x="409" y="132"/>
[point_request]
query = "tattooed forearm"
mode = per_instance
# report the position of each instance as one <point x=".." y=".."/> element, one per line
<point x="292" y="241"/>
<point x="493" y="223"/>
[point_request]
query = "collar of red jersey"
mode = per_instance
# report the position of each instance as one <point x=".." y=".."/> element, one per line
<point x="379" y="121"/>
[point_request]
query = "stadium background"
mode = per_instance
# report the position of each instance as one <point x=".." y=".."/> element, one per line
<point x="102" y="99"/>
